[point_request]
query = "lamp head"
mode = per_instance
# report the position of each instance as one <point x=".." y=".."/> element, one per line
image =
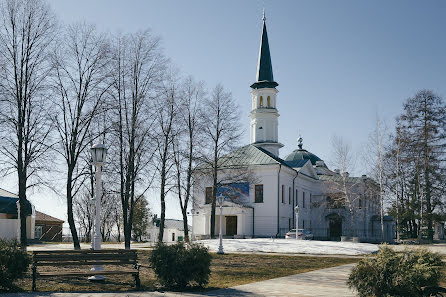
<point x="220" y="199"/>
<point x="98" y="153"/>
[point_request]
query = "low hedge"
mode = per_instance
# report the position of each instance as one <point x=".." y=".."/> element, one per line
<point x="13" y="263"/>
<point x="396" y="274"/>
<point x="181" y="265"/>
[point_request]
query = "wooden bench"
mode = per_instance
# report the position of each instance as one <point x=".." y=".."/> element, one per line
<point x="121" y="262"/>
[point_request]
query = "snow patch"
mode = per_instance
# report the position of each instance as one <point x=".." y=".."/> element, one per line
<point x="290" y="246"/>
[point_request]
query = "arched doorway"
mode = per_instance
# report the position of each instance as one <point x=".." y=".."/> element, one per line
<point x="334" y="226"/>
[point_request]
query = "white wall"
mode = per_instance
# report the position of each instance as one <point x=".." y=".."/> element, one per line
<point x="8" y="228"/>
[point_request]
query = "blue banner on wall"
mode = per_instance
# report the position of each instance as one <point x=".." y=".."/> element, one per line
<point x="238" y="192"/>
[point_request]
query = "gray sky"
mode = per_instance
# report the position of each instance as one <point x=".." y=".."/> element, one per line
<point x="338" y="63"/>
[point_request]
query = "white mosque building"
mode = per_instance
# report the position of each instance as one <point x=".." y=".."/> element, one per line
<point x="266" y="207"/>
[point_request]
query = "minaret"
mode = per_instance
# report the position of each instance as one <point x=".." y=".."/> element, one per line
<point x="264" y="115"/>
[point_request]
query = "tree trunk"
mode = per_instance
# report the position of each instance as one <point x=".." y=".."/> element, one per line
<point x="70" y="211"/>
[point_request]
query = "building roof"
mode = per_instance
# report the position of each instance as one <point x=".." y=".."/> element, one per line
<point x="250" y="155"/>
<point x="339" y="178"/>
<point x="5" y="193"/>
<point x="40" y="216"/>
<point x="9" y="205"/>
<point x="264" y="78"/>
<point x="294" y="159"/>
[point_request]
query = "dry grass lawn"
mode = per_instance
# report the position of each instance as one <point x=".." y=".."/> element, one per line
<point x="226" y="271"/>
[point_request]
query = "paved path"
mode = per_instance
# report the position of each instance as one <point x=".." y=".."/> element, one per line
<point x="323" y="282"/>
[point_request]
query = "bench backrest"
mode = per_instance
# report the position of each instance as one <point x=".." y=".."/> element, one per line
<point x="84" y="257"/>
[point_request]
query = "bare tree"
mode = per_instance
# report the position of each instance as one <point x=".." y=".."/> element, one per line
<point x="27" y="30"/>
<point x="222" y="131"/>
<point x="375" y="161"/>
<point x="83" y="212"/>
<point x="343" y="189"/>
<point x="167" y="113"/>
<point x="187" y="141"/>
<point x="137" y="70"/>
<point x="80" y="86"/>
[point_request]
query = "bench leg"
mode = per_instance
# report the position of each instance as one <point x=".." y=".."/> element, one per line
<point x="34" y="278"/>
<point x="137" y="281"/>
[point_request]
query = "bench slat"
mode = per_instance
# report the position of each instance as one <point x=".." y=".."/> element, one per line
<point x="90" y="262"/>
<point x="88" y="251"/>
<point x="83" y="257"/>
<point x="82" y="273"/>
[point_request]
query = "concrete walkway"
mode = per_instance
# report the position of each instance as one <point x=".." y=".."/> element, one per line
<point x="323" y="282"/>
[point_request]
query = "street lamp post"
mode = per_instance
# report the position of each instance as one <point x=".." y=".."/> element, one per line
<point x="296" y="210"/>
<point x="98" y="153"/>
<point x="192" y="211"/>
<point x="220" y="200"/>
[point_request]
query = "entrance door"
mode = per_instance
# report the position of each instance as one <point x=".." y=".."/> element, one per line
<point x="335" y="228"/>
<point x="231" y="225"/>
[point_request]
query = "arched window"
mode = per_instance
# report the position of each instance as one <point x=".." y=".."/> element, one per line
<point x="268" y="101"/>
<point x="261" y="101"/>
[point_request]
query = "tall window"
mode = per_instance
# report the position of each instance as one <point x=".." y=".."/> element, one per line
<point x="303" y="199"/>
<point x="289" y="195"/>
<point x="268" y="101"/>
<point x="283" y="194"/>
<point x="261" y="101"/>
<point x="173" y="236"/>
<point x="208" y="195"/>
<point x="360" y="203"/>
<point x="259" y="194"/>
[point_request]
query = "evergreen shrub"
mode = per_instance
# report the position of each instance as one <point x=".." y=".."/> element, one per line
<point x="13" y="263"/>
<point x="396" y="274"/>
<point x="181" y="265"/>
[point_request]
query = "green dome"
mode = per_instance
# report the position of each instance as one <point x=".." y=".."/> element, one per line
<point x="297" y="156"/>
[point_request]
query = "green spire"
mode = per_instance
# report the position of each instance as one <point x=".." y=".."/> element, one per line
<point x="264" y="77"/>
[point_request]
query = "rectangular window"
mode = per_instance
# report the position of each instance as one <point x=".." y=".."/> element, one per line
<point x="360" y="203"/>
<point x="283" y="194"/>
<point x="303" y="199"/>
<point x="208" y="195"/>
<point x="289" y="195"/>
<point x="258" y="194"/>
<point x="38" y="232"/>
<point x="303" y="224"/>
<point x="173" y="236"/>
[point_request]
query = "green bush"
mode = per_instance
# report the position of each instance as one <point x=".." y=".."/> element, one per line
<point x="13" y="263"/>
<point x="180" y="265"/>
<point x="396" y="274"/>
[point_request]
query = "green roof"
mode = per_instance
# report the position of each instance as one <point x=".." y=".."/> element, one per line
<point x="265" y="78"/>
<point x="298" y="155"/>
<point x="248" y="155"/>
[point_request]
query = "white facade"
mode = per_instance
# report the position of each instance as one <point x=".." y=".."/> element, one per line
<point x="284" y="188"/>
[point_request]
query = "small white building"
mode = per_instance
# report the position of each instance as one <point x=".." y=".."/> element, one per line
<point x="265" y="206"/>
<point x="9" y="216"/>
<point x="173" y="231"/>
